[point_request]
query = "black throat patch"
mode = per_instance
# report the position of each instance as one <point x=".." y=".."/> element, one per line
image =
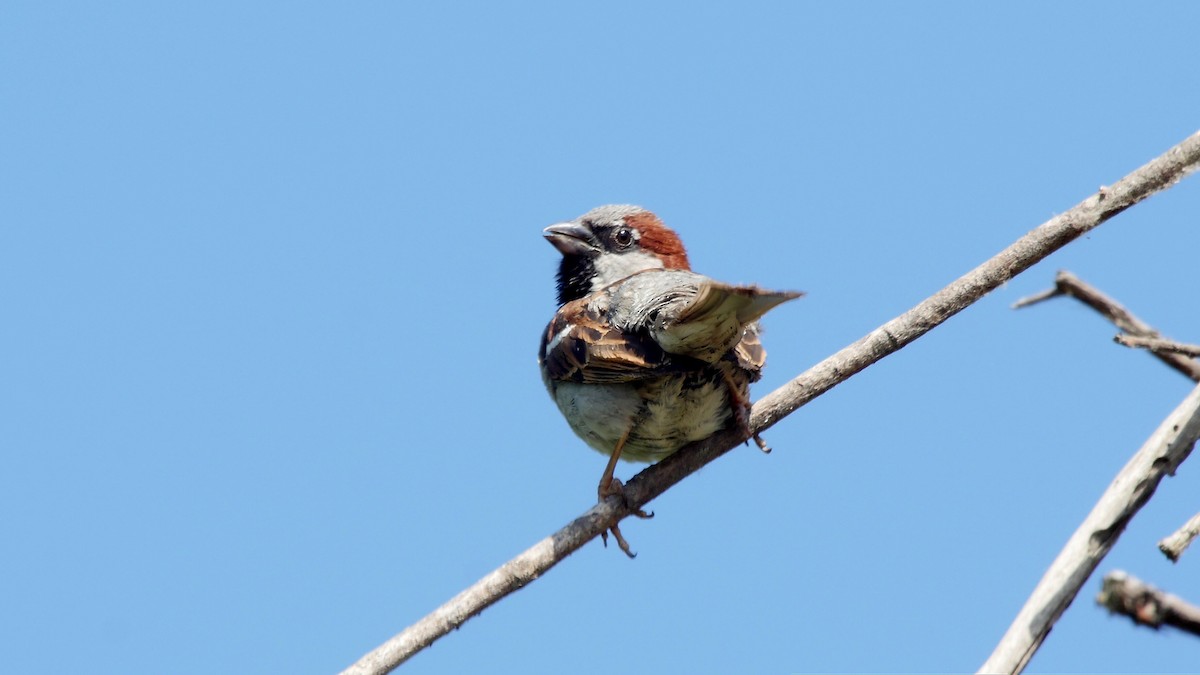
<point x="575" y="274"/>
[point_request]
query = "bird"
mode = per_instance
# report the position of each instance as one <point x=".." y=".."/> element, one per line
<point x="643" y="355"/>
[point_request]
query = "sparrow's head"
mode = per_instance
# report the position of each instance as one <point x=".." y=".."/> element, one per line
<point x="610" y="243"/>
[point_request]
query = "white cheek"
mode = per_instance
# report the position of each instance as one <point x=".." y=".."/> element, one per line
<point x="612" y="267"/>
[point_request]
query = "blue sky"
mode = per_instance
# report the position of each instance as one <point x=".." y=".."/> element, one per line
<point x="273" y="279"/>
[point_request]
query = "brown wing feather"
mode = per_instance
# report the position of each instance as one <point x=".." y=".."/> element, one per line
<point x="579" y="345"/>
<point x="750" y="353"/>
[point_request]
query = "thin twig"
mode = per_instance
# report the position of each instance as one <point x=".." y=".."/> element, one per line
<point x="1125" y="594"/>
<point x="1068" y="284"/>
<point x="1175" y="544"/>
<point x="1169" y="445"/>
<point x="1038" y="297"/>
<point x="1157" y="344"/>
<point x="1157" y="175"/>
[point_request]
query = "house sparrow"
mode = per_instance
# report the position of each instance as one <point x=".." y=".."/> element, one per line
<point x="643" y="355"/>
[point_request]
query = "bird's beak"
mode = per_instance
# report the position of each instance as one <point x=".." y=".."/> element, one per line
<point x="571" y="238"/>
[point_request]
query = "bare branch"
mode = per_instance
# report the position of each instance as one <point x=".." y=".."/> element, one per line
<point x="1146" y="605"/>
<point x="1157" y="344"/>
<point x="1169" y="445"/>
<point x="1157" y="175"/>
<point x="1174" y="545"/>
<point x="1068" y="284"/>
<point x="1037" y="297"/>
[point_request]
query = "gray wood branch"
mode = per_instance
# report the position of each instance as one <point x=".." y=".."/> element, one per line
<point x="1146" y="605"/>
<point x="1157" y="344"/>
<point x="1156" y="175"/>
<point x="1175" y="544"/>
<point x="1070" y="285"/>
<point x="1166" y="448"/>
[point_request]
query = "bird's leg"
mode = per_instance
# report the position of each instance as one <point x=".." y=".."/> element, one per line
<point x="741" y="412"/>
<point x="611" y="485"/>
<point x="606" y="488"/>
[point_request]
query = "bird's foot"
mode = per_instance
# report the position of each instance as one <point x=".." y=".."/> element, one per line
<point x="616" y="487"/>
<point x="741" y="414"/>
<point x="741" y="417"/>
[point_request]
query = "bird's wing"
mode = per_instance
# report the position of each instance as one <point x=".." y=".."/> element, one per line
<point x="581" y="345"/>
<point x="656" y="322"/>
<point x="689" y="314"/>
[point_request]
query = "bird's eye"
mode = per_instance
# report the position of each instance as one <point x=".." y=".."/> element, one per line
<point x="623" y="237"/>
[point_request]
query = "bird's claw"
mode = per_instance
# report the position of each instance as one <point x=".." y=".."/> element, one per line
<point x="762" y="445"/>
<point x="741" y="415"/>
<point x="616" y="530"/>
<point x="616" y="487"/>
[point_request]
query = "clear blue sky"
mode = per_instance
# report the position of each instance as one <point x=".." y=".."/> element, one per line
<point x="272" y="277"/>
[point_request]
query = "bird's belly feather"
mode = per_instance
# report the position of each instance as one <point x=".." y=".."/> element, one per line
<point x="665" y="414"/>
